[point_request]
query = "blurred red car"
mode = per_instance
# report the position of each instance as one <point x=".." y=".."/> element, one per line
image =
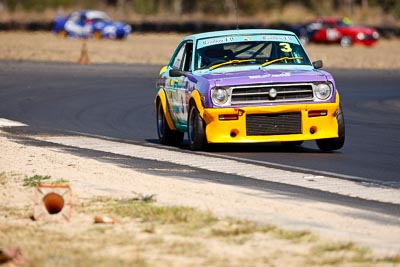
<point x="336" y="30"/>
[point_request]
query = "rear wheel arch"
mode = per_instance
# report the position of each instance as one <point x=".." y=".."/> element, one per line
<point x="162" y="97"/>
<point x="166" y="135"/>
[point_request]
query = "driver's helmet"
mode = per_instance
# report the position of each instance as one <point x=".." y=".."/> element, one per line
<point x="215" y="53"/>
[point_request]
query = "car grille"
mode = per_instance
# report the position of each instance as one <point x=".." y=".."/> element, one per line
<point x="369" y="37"/>
<point x="258" y="94"/>
<point x="273" y="124"/>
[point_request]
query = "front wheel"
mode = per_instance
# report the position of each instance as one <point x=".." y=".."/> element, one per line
<point x="165" y="134"/>
<point x="334" y="143"/>
<point x="196" y="130"/>
<point x="346" y="41"/>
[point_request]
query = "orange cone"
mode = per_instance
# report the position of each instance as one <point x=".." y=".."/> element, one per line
<point x="84" y="58"/>
<point x="52" y="202"/>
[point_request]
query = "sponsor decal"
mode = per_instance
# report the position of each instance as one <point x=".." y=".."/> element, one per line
<point x="280" y="38"/>
<point x="268" y="75"/>
<point x="213" y="41"/>
<point x="247" y="38"/>
<point x="162" y="81"/>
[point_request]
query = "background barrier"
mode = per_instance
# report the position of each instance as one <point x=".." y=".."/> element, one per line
<point x="184" y="27"/>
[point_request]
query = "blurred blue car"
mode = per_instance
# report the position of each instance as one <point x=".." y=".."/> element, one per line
<point x="90" y="24"/>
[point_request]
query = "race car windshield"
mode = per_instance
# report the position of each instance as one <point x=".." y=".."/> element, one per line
<point x="231" y="51"/>
<point x="344" y="23"/>
<point x="97" y="15"/>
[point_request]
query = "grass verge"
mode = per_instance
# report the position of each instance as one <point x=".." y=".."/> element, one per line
<point x="144" y="233"/>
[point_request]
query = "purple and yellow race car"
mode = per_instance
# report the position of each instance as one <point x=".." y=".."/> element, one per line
<point x="247" y="86"/>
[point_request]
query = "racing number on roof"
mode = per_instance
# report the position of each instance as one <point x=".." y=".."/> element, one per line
<point x="285" y="47"/>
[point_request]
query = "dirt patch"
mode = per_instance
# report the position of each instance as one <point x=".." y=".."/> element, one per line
<point x="158" y="48"/>
<point x="146" y="240"/>
<point x="44" y="46"/>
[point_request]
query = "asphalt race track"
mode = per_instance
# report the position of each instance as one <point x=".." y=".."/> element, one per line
<point x="116" y="101"/>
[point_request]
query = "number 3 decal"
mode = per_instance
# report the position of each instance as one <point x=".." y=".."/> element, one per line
<point x="285" y="47"/>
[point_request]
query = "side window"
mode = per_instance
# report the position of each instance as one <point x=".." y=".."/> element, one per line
<point x="182" y="60"/>
<point x="179" y="58"/>
<point x="82" y="20"/>
<point x="314" y="26"/>
<point x="75" y="18"/>
<point x="188" y="57"/>
<point x="327" y="25"/>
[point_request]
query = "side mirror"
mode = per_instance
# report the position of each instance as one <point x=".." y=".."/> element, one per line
<point x="176" y="73"/>
<point x="318" y="64"/>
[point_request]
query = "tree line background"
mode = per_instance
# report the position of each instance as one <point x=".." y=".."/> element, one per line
<point x="208" y="7"/>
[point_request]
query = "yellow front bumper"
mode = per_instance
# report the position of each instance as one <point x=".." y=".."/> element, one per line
<point x="234" y="131"/>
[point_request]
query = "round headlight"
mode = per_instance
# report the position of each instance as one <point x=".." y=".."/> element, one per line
<point x="323" y="91"/>
<point x="127" y="28"/>
<point x="219" y="96"/>
<point x="360" y="36"/>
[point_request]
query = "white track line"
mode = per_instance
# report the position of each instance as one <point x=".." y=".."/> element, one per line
<point x="234" y="167"/>
<point x="10" y="123"/>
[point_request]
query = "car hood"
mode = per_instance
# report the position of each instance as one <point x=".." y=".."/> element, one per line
<point x="266" y="76"/>
<point x="117" y="24"/>
<point x="358" y="29"/>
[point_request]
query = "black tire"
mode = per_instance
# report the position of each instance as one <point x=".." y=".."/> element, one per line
<point x="292" y="143"/>
<point x="196" y="130"/>
<point x="334" y="143"/>
<point x="165" y="134"/>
